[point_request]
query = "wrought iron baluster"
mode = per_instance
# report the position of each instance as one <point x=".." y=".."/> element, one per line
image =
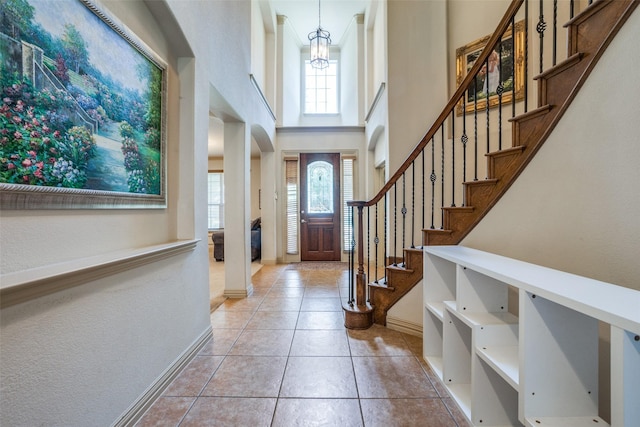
<point x="571" y="8"/>
<point x="555" y="30"/>
<point x="513" y="67"/>
<point x="368" y="244"/>
<point x="453" y="158"/>
<point x="376" y="241"/>
<point x="540" y="28"/>
<point x="464" y="140"/>
<point x="385" y="236"/>
<point x="395" y="222"/>
<point x="442" y="179"/>
<point x="499" y="91"/>
<point x="526" y="56"/>
<point x="422" y="210"/>
<point x="487" y="111"/>
<point x="413" y="204"/>
<point x="475" y="130"/>
<point x="433" y="177"/>
<point x="403" y="211"/>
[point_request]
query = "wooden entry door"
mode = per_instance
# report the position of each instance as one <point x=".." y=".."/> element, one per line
<point x="320" y="207"/>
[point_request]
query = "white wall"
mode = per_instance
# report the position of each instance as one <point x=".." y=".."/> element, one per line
<point x="258" y="45"/>
<point x="376" y="48"/>
<point x="290" y="109"/>
<point x="349" y="96"/>
<point x="81" y="356"/>
<point x="417" y="74"/>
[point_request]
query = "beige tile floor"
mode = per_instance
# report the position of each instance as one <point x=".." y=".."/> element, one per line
<point x="282" y="357"/>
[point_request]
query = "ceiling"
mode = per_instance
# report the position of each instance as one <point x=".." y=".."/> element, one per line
<point x="336" y="15"/>
<point x="302" y="16"/>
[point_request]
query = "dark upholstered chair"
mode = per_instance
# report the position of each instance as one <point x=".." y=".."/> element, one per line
<point x="218" y="242"/>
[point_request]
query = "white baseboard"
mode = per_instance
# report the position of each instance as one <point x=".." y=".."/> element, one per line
<point x="144" y="402"/>
<point x="404" y="326"/>
<point x="239" y="293"/>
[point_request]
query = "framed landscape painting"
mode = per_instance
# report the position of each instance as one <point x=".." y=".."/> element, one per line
<point x="504" y="68"/>
<point x="82" y="110"/>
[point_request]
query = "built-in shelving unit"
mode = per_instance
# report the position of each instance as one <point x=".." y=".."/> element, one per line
<point x="534" y="365"/>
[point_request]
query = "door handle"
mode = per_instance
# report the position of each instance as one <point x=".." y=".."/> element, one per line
<point x="304" y="221"/>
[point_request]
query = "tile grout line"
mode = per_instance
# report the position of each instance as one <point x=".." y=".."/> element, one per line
<point x="286" y="364"/>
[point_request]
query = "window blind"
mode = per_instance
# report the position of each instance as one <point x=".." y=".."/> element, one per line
<point x="216" y="200"/>
<point x="291" y="183"/>
<point x="347" y="196"/>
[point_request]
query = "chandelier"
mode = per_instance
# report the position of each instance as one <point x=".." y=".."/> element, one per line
<point x="319" y="42"/>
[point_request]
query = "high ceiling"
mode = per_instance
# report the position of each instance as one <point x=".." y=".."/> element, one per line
<point x="336" y="15"/>
<point x="302" y="15"/>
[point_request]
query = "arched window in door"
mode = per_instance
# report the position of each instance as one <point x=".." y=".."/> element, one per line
<point x="320" y="187"/>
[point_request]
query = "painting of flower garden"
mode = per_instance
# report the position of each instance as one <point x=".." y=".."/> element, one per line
<point x="81" y="104"/>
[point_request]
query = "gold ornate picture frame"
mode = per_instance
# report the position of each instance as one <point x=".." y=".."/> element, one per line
<point x="511" y="50"/>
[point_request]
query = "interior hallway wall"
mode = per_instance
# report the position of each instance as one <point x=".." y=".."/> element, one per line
<point x="82" y="356"/>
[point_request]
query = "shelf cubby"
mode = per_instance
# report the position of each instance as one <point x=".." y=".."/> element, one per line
<point x="517" y="344"/>
<point x="561" y="345"/>
<point x="495" y="401"/>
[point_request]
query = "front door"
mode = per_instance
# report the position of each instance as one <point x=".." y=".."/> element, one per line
<point x="320" y="207"/>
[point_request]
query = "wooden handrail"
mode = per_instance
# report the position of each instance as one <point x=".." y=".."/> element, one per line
<point x="502" y="27"/>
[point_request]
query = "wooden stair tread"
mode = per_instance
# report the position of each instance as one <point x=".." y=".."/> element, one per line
<point x="437" y="230"/>
<point x="468" y="209"/>
<point x="381" y="284"/>
<point x="505" y="152"/>
<point x="531" y="114"/>
<point x="560" y="66"/>
<point x="399" y="269"/>
<point x="584" y="14"/>
<point x="487" y="181"/>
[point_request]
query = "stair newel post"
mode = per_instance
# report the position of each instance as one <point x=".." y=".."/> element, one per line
<point x="360" y="315"/>
<point x="361" y="277"/>
<point x="352" y="244"/>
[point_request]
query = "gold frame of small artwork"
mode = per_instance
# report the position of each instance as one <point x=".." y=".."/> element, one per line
<point x="466" y="56"/>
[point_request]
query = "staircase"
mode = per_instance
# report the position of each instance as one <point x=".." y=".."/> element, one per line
<point x="588" y="33"/>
